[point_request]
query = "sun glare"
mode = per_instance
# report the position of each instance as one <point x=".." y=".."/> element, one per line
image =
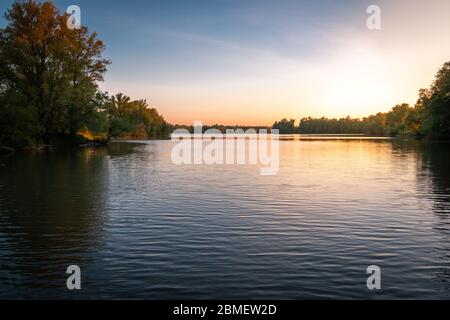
<point x="357" y="84"/>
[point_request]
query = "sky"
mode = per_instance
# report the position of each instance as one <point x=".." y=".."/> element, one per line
<point x="241" y="62"/>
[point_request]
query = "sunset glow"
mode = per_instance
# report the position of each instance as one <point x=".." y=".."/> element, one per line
<point x="236" y="63"/>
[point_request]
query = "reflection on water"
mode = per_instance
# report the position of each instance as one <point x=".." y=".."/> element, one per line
<point x="140" y="227"/>
<point x="51" y="208"/>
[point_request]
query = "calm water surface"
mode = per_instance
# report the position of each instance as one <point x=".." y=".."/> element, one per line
<point x="140" y="227"/>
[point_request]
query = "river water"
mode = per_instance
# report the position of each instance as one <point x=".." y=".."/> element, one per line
<point x="139" y="226"/>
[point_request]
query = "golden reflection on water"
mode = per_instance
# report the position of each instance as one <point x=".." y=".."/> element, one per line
<point x="337" y="205"/>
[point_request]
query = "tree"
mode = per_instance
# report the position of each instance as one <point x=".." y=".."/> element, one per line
<point x="433" y="105"/>
<point x="17" y="125"/>
<point x="285" y="126"/>
<point x="119" y="116"/>
<point x="96" y="122"/>
<point x="49" y="73"/>
<point x="397" y="119"/>
<point x="375" y="124"/>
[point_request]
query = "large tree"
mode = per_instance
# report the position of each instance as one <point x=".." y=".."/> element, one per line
<point x="48" y="72"/>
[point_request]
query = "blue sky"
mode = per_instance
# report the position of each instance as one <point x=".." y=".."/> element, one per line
<point x="252" y="62"/>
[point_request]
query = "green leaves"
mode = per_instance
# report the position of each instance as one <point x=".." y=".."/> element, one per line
<point x="51" y="70"/>
<point x="118" y="116"/>
<point x="434" y="105"/>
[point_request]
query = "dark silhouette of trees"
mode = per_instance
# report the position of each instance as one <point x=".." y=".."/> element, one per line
<point x="401" y="120"/>
<point x="285" y="126"/>
<point x="433" y="105"/>
<point x="397" y="120"/>
<point x="119" y="116"/>
<point x="329" y="126"/>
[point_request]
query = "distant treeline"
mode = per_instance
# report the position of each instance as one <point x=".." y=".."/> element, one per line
<point x="222" y="128"/>
<point x="430" y="117"/>
<point x="49" y="78"/>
